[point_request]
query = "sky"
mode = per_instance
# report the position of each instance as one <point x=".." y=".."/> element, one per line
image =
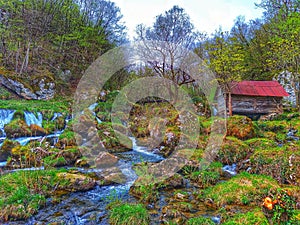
<point x="206" y="15"/>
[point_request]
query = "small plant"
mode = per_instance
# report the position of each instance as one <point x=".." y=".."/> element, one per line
<point x="283" y="207"/>
<point x="129" y="214"/>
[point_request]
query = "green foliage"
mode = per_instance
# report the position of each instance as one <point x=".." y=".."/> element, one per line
<point x="285" y="208"/>
<point x="129" y="214"/>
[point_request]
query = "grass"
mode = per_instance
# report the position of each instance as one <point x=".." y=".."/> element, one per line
<point x="24" y="192"/>
<point x="129" y="214"/>
<point x="36" y="105"/>
<point x="254" y="217"/>
<point x="243" y="189"/>
<point x="200" y="221"/>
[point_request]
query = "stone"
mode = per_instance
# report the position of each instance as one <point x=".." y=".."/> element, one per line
<point x="17" y="128"/>
<point x="45" y="90"/>
<point x="105" y="159"/>
<point x="37" y="130"/>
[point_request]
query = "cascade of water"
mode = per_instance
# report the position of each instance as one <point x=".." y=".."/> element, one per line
<point x="6" y="116"/>
<point x="30" y="118"/>
<point x="143" y="150"/>
<point x="92" y="109"/>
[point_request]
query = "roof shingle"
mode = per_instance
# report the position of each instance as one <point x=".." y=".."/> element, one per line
<point x="258" y="88"/>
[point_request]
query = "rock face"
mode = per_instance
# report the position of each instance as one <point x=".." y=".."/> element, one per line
<point x="43" y="89"/>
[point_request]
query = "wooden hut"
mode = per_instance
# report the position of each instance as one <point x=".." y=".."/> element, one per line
<point x="253" y="98"/>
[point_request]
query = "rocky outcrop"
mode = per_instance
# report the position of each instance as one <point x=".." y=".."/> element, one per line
<point x="43" y="88"/>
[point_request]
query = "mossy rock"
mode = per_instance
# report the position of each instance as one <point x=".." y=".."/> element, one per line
<point x="261" y="143"/>
<point x="68" y="138"/>
<point x="23" y="157"/>
<point x="240" y="127"/>
<point x="207" y="176"/>
<point x="243" y="189"/>
<point x="233" y="150"/>
<point x="17" y="128"/>
<point x="6" y="148"/>
<point x="282" y="163"/>
<point x="114" y="140"/>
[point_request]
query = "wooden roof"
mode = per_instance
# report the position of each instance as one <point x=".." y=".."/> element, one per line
<point x="258" y="88"/>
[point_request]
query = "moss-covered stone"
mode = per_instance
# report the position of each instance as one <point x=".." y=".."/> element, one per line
<point x="240" y="127"/>
<point x="233" y="150"/>
<point x="17" y="128"/>
<point x="282" y="163"/>
<point x="23" y="193"/>
<point x="6" y="148"/>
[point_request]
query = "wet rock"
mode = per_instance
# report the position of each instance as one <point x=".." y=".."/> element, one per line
<point x="111" y="176"/>
<point x="173" y="182"/>
<point x="105" y="159"/>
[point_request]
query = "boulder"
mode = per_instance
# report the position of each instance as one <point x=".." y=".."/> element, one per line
<point x="17" y="128"/>
<point x="105" y="159"/>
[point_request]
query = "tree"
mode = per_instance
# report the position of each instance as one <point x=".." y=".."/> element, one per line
<point x="107" y="17"/>
<point x="226" y="58"/>
<point x="166" y="43"/>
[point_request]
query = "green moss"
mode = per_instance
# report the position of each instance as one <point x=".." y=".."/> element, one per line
<point x="254" y="217"/>
<point x="233" y="151"/>
<point x="208" y="176"/>
<point x="241" y="187"/>
<point x="129" y="214"/>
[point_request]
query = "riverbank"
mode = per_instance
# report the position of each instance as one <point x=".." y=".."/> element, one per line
<point x="254" y="178"/>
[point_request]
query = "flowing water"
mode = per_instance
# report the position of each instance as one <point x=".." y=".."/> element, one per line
<point x="6" y="116"/>
<point x="31" y="118"/>
<point x="89" y="207"/>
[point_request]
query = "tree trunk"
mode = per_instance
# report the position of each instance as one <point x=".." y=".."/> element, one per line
<point x="230" y="104"/>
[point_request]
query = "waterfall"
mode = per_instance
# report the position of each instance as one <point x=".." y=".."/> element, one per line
<point x="6" y="116"/>
<point x="30" y="118"/>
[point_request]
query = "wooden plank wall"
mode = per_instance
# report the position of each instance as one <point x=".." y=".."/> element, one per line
<point x="256" y="105"/>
